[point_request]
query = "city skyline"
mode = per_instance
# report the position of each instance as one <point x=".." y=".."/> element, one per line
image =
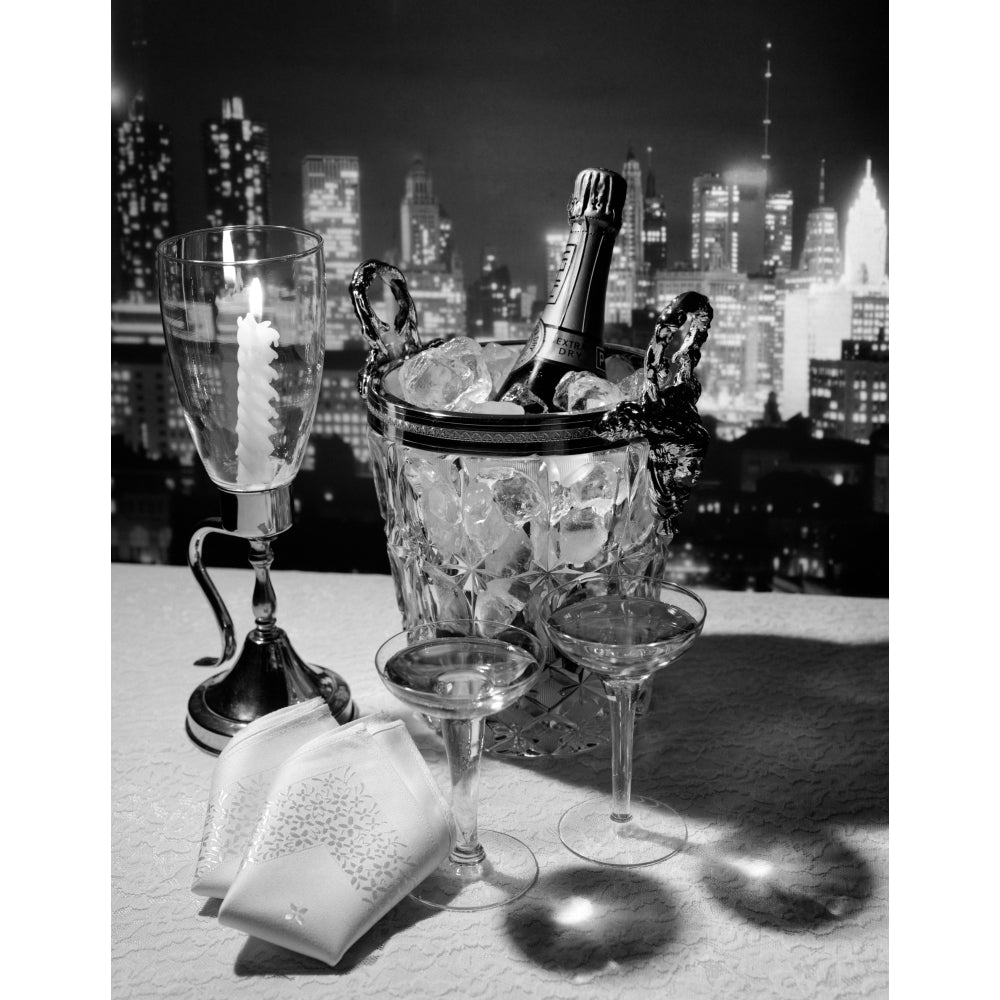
<point x="772" y="320"/>
<point x="492" y="198"/>
<point x="795" y="385"/>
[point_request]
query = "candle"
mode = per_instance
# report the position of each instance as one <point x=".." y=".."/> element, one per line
<point x="254" y="393"/>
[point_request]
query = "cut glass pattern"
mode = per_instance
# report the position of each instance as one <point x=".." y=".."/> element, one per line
<point x="475" y="536"/>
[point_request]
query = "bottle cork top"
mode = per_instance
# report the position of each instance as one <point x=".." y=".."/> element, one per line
<point x="598" y="198"/>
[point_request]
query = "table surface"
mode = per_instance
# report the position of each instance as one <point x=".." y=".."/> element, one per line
<point x="770" y="737"/>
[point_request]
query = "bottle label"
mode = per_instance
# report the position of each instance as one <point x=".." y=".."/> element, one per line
<point x="553" y="343"/>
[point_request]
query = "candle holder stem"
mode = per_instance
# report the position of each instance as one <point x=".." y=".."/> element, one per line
<point x="265" y="602"/>
<point x="268" y="673"/>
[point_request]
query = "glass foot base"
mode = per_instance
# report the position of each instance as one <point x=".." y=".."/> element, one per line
<point x="508" y="872"/>
<point x="654" y="833"/>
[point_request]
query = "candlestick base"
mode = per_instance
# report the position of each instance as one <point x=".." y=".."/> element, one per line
<point x="268" y="675"/>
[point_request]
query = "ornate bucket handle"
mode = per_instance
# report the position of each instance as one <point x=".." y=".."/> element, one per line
<point x="384" y="342"/>
<point x="666" y="413"/>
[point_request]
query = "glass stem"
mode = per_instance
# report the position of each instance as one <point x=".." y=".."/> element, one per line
<point x="264" y="601"/>
<point x="623" y="695"/>
<point x="463" y="741"/>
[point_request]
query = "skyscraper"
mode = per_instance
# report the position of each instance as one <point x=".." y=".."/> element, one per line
<point x="331" y="207"/>
<point x="143" y="197"/>
<point x="866" y="237"/>
<point x="820" y="258"/>
<point x="816" y="321"/>
<point x="654" y="223"/>
<point x="710" y="223"/>
<point x="555" y="244"/>
<point x="748" y="194"/>
<point x="728" y="221"/>
<point x="627" y="257"/>
<point x="420" y="220"/>
<point x="849" y="397"/>
<point x="237" y="168"/>
<point x="145" y="409"/>
<point x="870" y="315"/>
<point x="432" y="267"/>
<point x="777" y="252"/>
<point x="490" y="307"/>
<point x="629" y="240"/>
<point x="778" y="230"/>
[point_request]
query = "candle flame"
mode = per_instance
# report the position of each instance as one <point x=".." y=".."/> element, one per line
<point x="255" y="294"/>
<point x="228" y="258"/>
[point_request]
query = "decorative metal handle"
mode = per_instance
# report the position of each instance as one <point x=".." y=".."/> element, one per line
<point x="666" y="413"/>
<point x="212" y="524"/>
<point x="384" y="343"/>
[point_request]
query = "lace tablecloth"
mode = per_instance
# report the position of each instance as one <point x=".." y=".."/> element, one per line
<point x="770" y="737"/>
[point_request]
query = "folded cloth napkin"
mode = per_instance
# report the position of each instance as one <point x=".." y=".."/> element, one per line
<point x="242" y="777"/>
<point x="353" y="822"/>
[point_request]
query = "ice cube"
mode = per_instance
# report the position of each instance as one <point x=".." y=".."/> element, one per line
<point x="632" y="385"/>
<point x="453" y="376"/>
<point x="578" y="391"/>
<point x="617" y="367"/>
<point x="544" y="545"/>
<point x="434" y="481"/>
<point x="482" y="519"/>
<point x="441" y="515"/>
<point x="500" y="360"/>
<point x="391" y="384"/>
<point x="442" y="597"/>
<point x="595" y="486"/>
<point x="512" y="558"/>
<point x="525" y="398"/>
<point x="517" y="496"/>
<point x="499" y="407"/>
<point x="429" y="473"/>
<point x="441" y="501"/>
<point x="500" y="602"/>
<point x="582" y="535"/>
<point x="424" y="469"/>
<point x="560" y="501"/>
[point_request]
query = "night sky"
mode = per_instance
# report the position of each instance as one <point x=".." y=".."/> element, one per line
<point x="507" y="101"/>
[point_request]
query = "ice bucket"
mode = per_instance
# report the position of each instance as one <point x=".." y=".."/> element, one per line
<point x="482" y="511"/>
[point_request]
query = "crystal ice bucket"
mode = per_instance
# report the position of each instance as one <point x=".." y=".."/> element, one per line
<point x="483" y="512"/>
<point x="480" y="513"/>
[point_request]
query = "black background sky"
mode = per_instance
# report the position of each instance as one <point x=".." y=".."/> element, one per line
<point x="507" y="101"/>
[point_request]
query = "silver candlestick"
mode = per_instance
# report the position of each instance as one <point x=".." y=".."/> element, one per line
<point x="243" y="311"/>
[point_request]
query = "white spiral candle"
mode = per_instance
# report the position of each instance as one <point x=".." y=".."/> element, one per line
<point x="254" y="393"/>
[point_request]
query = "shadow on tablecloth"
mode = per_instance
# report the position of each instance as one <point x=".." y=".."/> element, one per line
<point x="766" y="744"/>
<point x="260" y="958"/>
<point x="588" y="920"/>
<point x="791" y="731"/>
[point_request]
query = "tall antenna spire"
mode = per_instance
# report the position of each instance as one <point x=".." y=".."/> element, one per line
<point x="139" y="46"/>
<point x="766" y="155"/>
<point x="822" y="181"/>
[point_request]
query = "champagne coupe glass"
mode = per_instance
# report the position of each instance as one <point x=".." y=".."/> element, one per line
<point x="623" y="628"/>
<point x="243" y="311"/>
<point x="460" y="672"/>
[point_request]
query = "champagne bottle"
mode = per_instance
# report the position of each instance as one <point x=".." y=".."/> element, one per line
<point x="569" y="334"/>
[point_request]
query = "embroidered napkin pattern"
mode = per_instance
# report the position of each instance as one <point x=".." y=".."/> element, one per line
<point x="351" y="822"/>
<point x="336" y="810"/>
<point x="242" y="778"/>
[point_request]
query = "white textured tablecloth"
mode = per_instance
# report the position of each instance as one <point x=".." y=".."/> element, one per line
<point x="770" y="737"/>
